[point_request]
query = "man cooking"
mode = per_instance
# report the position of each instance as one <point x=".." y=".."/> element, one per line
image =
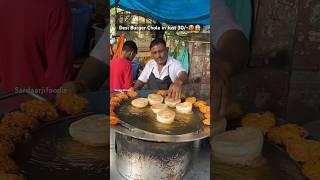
<point x="230" y="53"/>
<point x="164" y="72"/>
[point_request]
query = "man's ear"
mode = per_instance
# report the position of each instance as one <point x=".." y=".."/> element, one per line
<point x="132" y="54"/>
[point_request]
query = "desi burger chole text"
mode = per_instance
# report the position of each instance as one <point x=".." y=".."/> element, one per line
<point x="152" y="28"/>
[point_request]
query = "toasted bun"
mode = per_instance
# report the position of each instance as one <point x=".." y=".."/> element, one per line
<point x="241" y="146"/>
<point x="156" y="108"/>
<point x="90" y="130"/>
<point x="171" y="102"/>
<point x="140" y="102"/>
<point x="155" y="99"/>
<point x="185" y="107"/>
<point x="166" y="116"/>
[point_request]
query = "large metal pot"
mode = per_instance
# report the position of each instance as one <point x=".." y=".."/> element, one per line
<point x="146" y="160"/>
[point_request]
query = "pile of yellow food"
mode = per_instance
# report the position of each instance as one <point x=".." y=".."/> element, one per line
<point x="203" y="107"/>
<point x="261" y="121"/>
<point x="16" y="127"/>
<point x="115" y="101"/>
<point x="292" y="137"/>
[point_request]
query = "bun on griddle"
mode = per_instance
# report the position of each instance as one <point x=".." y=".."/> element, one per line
<point x="166" y="116"/>
<point x="140" y="102"/>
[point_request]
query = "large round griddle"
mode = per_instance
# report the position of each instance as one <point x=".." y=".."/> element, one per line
<point x="141" y="123"/>
<point x="53" y="154"/>
<point x="278" y="166"/>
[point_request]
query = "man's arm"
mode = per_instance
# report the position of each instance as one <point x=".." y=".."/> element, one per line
<point x="234" y="48"/>
<point x="93" y="73"/>
<point x="229" y="56"/>
<point x="95" y="69"/>
<point x="176" y="87"/>
<point x="138" y="85"/>
<point x="90" y="77"/>
<point x="229" y="59"/>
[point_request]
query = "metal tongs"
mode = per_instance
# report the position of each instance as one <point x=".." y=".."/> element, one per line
<point x="37" y="96"/>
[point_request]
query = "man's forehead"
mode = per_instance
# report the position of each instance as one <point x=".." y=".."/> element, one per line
<point x="158" y="47"/>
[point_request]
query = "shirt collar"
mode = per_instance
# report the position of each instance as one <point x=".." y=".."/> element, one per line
<point x="169" y="62"/>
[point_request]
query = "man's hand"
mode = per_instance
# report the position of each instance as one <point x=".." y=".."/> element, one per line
<point x="131" y="89"/>
<point x="73" y="87"/>
<point x="175" y="89"/>
<point x="231" y="57"/>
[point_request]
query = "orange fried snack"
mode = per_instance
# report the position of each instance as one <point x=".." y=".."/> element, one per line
<point x="132" y="94"/>
<point x="263" y="121"/>
<point x="38" y="109"/>
<point x="162" y="93"/>
<point x="303" y="150"/>
<point x="6" y="148"/>
<point x="280" y="135"/>
<point x="20" y="120"/>
<point x="14" y="135"/>
<point x="114" y="104"/>
<point x="199" y="103"/>
<point x="71" y="103"/>
<point x="311" y="170"/>
<point x="6" y="176"/>
<point x="191" y="99"/>
<point x="122" y="96"/>
<point x="114" y="120"/>
<point x="206" y="122"/>
<point x="204" y="109"/>
<point x="115" y="100"/>
<point x="112" y="111"/>
<point x="7" y="165"/>
<point x="207" y="115"/>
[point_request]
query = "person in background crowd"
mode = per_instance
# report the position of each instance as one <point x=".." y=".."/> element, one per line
<point x="121" y="68"/>
<point x="35" y="45"/>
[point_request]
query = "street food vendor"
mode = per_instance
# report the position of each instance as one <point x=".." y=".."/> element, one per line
<point x="164" y="72"/>
<point x="35" y="45"/>
<point x="230" y="52"/>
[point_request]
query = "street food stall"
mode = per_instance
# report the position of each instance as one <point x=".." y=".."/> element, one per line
<point x="169" y="143"/>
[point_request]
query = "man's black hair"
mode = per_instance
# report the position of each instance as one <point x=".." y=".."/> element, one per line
<point x="158" y="41"/>
<point x="130" y="46"/>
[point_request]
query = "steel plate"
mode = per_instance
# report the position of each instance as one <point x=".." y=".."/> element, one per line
<point x="145" y="119"/>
